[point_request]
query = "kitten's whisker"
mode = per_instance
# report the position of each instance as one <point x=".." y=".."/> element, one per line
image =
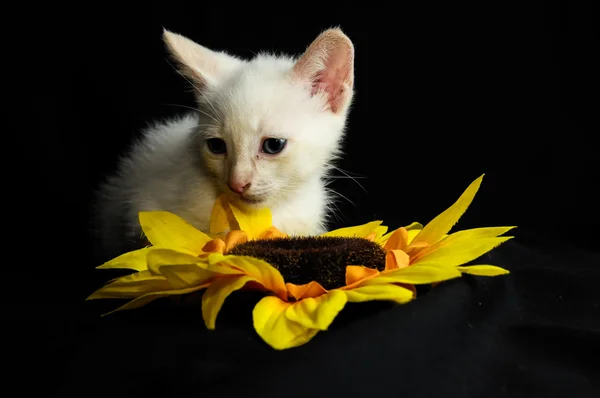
<point x="288" y="189"/>
<point x="201" y="129"/>
<point x="209" y="103"/>
<point x="195" y="109"/>
<point x="194" y="86"/>
<point x="342" y="196"/>
<point x="349" y="176"/>
<point x="334" y="211"/>
<point x="346" y="172"/>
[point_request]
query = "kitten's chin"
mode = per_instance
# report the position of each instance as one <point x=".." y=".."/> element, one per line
<point x="249" y="202"/>
<point x="252" y="201"/>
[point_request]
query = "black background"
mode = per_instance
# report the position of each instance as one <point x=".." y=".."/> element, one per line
<point x="444" y="93"/>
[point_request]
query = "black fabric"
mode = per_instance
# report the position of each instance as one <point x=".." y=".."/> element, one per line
<point x="534" y="333"/>
<point x="502" y="89"/>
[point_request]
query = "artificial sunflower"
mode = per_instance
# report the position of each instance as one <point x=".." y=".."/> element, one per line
<point x="307" y="280"/>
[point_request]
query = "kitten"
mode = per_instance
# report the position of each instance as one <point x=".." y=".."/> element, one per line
<point x="265" y="134"/>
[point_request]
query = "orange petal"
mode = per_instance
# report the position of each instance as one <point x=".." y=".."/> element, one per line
<point x="396" y="259"/>
<point x="235" y="238"/>
<point x="271" y="233"/>
<point x="311" y="289"/>
<point x="398" y="240"/>
<point x="416" y="249"/>
<point x="371" y="237"/>
<point x="356" y="273"/>
<point x="215" y="246"/>
<point x="418" y="245"/>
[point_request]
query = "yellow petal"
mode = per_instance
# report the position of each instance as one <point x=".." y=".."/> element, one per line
<point x="221" y="218"/>
<point x="216" y="262"/>
<point x="275" y="328"/>
<point x="160" y="256"/>
<point x="183" y="270"/>
<point x="260" y="270"/>
<point x="443" y="223"/>
<point x="149" y="297"/>
<point x="477" y="233"/>
<point x="183" y="276"/>
<point x="414" y="226"/>
<point x="317" y="313"/>
<point x="380" y="231"/>
<point x="459" y="252"/>
<point x="415" y="275"/>
<point x="169" y="230"/>
<point x="130" y="286"/>
<point x="412" y="233"/>
<point x="215" y="296"/>
<point x="383" y="240"/>
<point x="135" y="260"/>
<point x="385" y="292"/>
<point x="254" y="222"/>
<point x="356" y="273"/>
<point x="359" y="231"/>
<point x="483" y="270"/>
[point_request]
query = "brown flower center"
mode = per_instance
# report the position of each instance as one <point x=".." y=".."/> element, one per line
<point x="320" y="258"/>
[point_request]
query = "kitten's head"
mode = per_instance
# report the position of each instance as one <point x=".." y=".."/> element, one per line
<point x="270" y="125"/>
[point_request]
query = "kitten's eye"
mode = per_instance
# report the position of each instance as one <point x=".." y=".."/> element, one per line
<point x="273" y="145"/>
<point x="216" y="146"/>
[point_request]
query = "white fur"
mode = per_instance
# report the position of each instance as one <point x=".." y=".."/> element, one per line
<point x="242" y="102"/>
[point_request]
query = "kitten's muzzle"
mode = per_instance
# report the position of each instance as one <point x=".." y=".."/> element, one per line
<point x="238" y="187"/>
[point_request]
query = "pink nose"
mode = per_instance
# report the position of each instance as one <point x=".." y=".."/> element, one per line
<point x="239" y="186"/>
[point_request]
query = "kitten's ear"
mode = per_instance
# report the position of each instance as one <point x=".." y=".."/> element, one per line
<point x="204" y="67"/>
<point x="328" y="64"/>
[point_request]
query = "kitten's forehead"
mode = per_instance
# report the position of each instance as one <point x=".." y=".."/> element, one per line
<point x="262" y="92"/>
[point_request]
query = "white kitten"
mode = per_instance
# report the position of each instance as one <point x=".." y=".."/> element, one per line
<point x="266" y="133"/>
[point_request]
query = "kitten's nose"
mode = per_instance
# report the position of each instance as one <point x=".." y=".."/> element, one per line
<point x="239" y="186"/>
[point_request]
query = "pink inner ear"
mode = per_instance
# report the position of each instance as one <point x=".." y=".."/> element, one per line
<point x="327" y="81"/>
<point x="329" y="64"/>
<point x="331" y="81"/>
<point x="335" y="77"/>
